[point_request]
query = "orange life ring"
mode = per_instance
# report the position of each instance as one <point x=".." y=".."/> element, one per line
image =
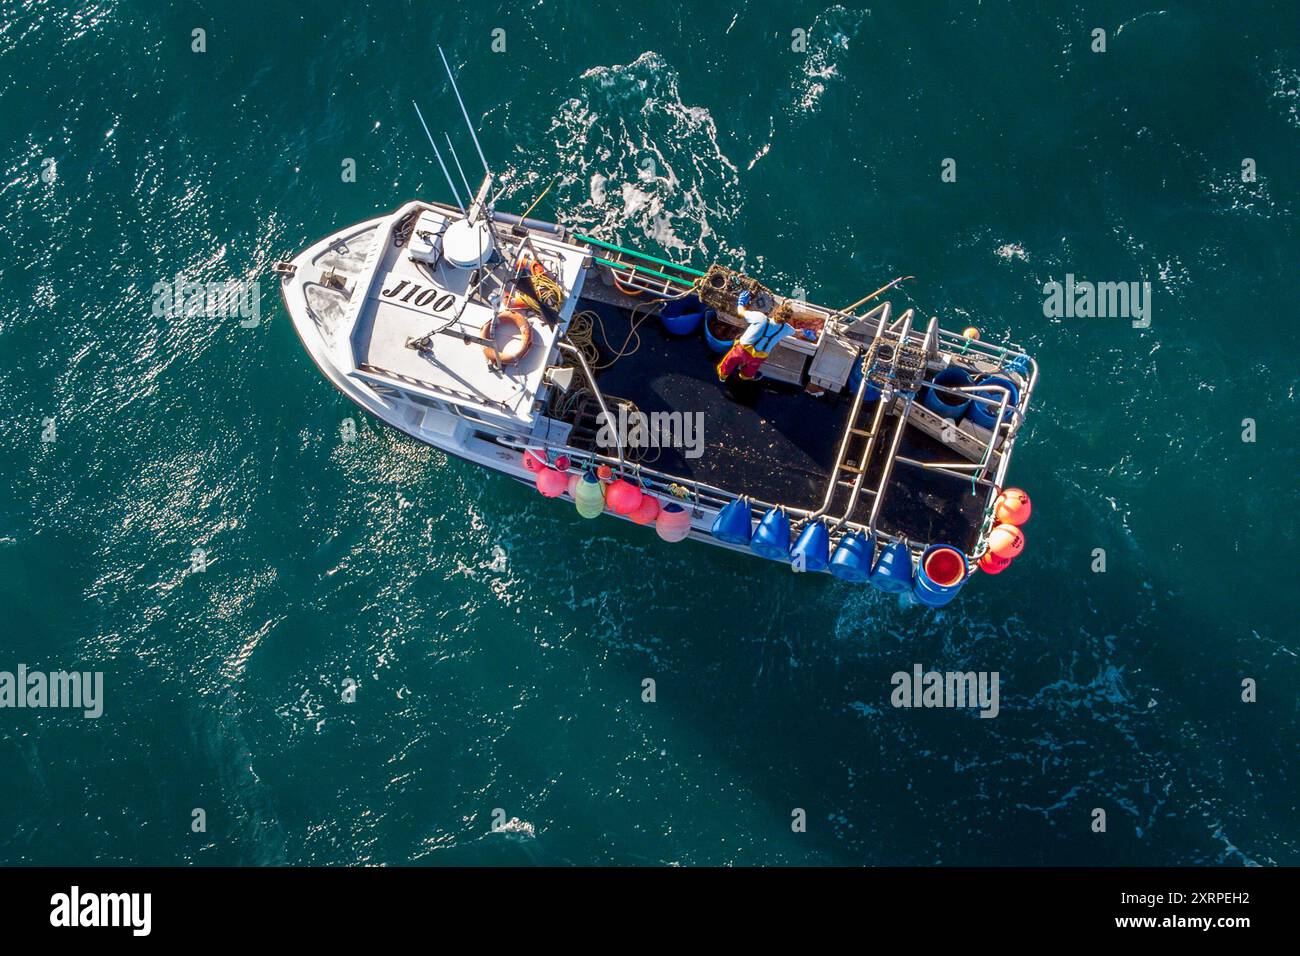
<point x="518" y="348"/>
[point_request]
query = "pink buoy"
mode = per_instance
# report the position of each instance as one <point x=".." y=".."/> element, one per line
<point x="647" y="511"/>
<point x="673" y="523"/>
<point x="623" y="497"/>
<point x="573" y="483"/>
<point x="552" y="483"/>
<point x="533" y="462"/>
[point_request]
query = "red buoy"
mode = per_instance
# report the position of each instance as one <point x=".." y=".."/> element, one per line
<point x="552" y="483"/>
<point x="992" y="564"/>
<point x="647" y="511"/>
<point x="623" y="497"/>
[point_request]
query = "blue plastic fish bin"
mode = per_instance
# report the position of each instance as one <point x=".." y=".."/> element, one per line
<point x="893" y="571"/>
<point x="718" y="345"/>
<point x="682" y="316"/>
<point x="941" y="403"/>
<point x="734" y="523"/>
<point x="852" y="559"/>
<point x="929" y="592"/>
<point x="813" y="547"/>
<point x="855" y="379"/>
<point x="772" y="539"/>
<point x="986" y="416"/>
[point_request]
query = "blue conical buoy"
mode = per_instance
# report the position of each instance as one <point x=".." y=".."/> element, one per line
<point x="812" y="551"/>
<point x="852" y="559"/>
<point x="772" y="539"/>
<point x="893" y="572"/>
<point x="734" y="523"/>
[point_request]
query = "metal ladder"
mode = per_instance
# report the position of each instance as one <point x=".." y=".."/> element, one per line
<point x="895" y="365"/>
<point x="849" y="472"/>
<point x="906" y="374"/>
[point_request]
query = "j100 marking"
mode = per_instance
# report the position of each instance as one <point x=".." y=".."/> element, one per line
<point x="415" y="296"/>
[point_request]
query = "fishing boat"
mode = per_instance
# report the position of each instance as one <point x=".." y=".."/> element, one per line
<point x="873" y="447"/>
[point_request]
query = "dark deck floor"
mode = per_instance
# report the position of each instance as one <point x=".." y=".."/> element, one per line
<point x="771" y="440"/>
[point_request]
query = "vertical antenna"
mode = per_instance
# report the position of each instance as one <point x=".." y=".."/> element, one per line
<point x="455" y="89"/>
<point x="459" y="167"/>
<point x="455" y="195"/>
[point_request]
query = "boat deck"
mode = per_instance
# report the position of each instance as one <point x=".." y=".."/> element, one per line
<point x="405" y="300"/>
<point x="771" y="440"/>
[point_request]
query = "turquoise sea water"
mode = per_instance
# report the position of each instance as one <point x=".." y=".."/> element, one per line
<point x="498" y="643"/>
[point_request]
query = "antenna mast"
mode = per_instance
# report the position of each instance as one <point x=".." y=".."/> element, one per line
<point x="454" y="194"/>
<point x="464" y="112"/>
<point x="461" y="169"/>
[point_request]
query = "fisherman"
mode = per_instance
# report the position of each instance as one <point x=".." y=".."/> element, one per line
<point x="758" y="340"/>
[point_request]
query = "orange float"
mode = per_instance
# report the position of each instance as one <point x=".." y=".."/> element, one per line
<point x="1006" y="541"/>
<point x="1012" y="507"/>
